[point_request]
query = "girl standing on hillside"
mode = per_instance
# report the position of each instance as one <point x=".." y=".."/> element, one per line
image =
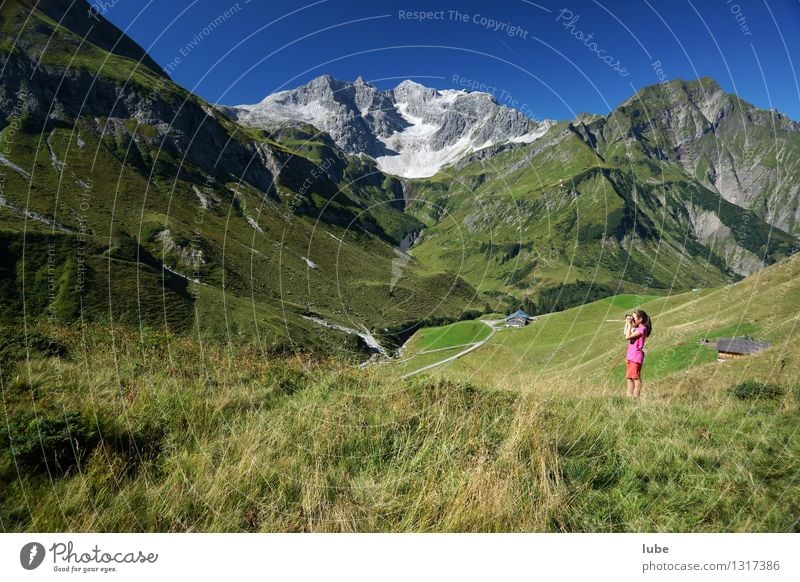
<point x="638" y="328"/>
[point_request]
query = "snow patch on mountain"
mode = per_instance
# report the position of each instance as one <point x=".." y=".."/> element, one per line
<point x="411" y="131"/>
<point x="532" y="136"/>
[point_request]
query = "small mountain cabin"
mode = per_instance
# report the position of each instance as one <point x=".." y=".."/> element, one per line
<point x="518" y="319"/>
<point x="737" y="347"/>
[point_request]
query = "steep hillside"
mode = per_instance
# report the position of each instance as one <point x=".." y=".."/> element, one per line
<point x="578" y="206"/>
<point x="139" y="202"/>
<point x="160" y="207"/>
<point x="749" y="156"/>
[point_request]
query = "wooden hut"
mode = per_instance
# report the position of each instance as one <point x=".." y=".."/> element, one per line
<point x="730" y="348"/>
<point x="518" y="319"/>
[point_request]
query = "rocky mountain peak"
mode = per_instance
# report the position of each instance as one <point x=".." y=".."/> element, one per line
<point x="410" y="130"/>
<point x="744" y="153"/>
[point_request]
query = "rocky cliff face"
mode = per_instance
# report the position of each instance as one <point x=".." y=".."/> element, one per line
<point x="749" y="156"/>
<point x="411" y="130"/>
<point x="113" y="99"/>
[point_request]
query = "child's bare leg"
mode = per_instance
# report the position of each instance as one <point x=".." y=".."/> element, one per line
<point x="637" y="387"/>
<point x="630" y="387"/>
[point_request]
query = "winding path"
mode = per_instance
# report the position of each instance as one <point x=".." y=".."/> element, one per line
<point x="472" y="347"/>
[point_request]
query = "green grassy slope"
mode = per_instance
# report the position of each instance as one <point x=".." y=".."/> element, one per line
<point x="457" y="334"/>
<point x="544" y="225"/>
<point x="590" y="202"/>
<point x="581" y="345"/>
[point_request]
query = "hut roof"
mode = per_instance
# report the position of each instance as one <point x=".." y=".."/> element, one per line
<point x="518" y="313"/>
<point x="737" y="345"/>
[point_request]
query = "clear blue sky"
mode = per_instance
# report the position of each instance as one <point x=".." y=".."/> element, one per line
<point x="537" y="53"/>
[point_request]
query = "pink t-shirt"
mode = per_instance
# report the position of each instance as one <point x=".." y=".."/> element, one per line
<point x="636" y="346"/>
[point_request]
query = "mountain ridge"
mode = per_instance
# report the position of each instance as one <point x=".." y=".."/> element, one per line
<point x="410" y="130"/>
<point x="626" y="197"/>
<point x="747" y="155"/>
<point x="414" y="131"/>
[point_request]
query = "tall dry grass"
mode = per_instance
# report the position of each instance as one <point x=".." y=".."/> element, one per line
<point x="163" y="434"/>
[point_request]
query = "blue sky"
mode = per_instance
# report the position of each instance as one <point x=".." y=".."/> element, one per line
<point x="549" y="59"/>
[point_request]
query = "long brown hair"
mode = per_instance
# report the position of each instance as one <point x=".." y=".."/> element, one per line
<point x="645" y="320"/>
